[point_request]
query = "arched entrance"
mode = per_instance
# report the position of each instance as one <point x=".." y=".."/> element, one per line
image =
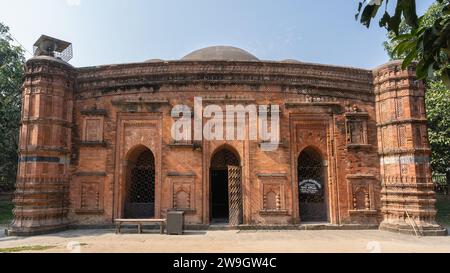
<point x="225" y="188"/>
<point x="312" y="187"/>
<point x="140" y="185"/>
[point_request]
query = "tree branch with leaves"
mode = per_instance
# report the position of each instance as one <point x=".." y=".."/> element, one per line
<point x="428" y="44"/>
<point x="11" y="74"/>
<point x="437" y="95"/>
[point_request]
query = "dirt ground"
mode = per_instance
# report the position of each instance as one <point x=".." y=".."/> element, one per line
<point x="105" y="241"/>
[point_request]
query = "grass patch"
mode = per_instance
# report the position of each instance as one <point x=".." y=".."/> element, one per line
<point x="25" y="248"/>
<point x="443" y="207"/>
<point x="6" y="215"/>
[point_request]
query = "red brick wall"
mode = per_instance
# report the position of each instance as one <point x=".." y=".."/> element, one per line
<point x="332" y="93"/>
<point x="345" y="114"/>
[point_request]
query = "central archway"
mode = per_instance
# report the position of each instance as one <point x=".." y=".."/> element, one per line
<point x="140" y="184"/>
<point x="225" y="187"/>
<point x="312" y="186"/>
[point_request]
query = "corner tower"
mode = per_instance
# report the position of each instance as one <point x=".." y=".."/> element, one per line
<point x="408" y="196"/>
<point x="41" y="198"/>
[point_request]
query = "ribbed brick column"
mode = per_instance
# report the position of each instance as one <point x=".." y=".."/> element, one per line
<point x="408" y="196"/>
<point x="41" y="198"/>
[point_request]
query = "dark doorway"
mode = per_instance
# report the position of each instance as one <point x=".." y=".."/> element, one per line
<point x="219" y="195"/>
<point x="220" y="186"/>
<point x="140" y="198"/>
<point x="312" y="187"/>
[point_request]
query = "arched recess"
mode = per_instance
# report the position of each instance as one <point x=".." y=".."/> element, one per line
<point x="312" y="186"/>
<point x="361" y="200"/>
<point x="139" y="201"/>
<point x="226" y="187"/>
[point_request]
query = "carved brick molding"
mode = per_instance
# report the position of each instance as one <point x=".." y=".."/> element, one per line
<point x="180" y="174"/>
<point x="329" y="107"/>
<point x="229" y="99"/>
<point x="313" y="130"/>
<point x="361" y="188"/>
<point x="273" y="194"/>
<point x="150" y="76"/>
<point x="92" y="129"/>
<point x="182" y="191"/>
<point x="357" y="129"/>
<point x="91" y="174"/>
<point x="140" y="101"/>
<point x="272" y="175"/>
<point x="133" y="131"/>
<point x="102" y="144"/>
<point x="94" y="112"/>
<point x="141" y="105"/>
<point x="91" y="195"/>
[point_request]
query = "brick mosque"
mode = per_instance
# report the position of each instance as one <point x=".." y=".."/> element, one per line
<point x="96" y="145"/>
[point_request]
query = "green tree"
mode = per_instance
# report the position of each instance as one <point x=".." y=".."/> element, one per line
<point x="438" y="111"/>
<point x="11" y="74"/>
<point x="428" y="44"/>
<point x="437" y="96"/>
<point x="428" y="19"/>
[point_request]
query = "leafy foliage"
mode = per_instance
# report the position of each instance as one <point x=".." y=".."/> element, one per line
<point x="6" y="207"/>
<point x="11" y="73"/>
<point x="443" y="210"/>
<point x="428" y="19"/>
<point x="429" y="44"/>
<point x="438" y="110"/>
<point x="437" y="96"/>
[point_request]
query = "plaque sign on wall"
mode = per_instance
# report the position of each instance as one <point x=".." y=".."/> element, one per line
<point x="310" y="187"/>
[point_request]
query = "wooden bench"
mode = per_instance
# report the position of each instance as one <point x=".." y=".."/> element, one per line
<point x="139" y="223"/>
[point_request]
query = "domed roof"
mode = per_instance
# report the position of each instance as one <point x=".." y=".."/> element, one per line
<point x="291" y="61"/>
<point x="216" y="53"/>
<point x="154" y="61"/>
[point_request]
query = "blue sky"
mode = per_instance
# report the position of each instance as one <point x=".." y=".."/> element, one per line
<point x="114" y="31"/>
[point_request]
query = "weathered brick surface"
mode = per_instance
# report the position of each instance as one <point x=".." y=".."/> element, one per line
<point x="407" y="194"/>
<point x="43" y="182"/>
<point x="346" y="114"/>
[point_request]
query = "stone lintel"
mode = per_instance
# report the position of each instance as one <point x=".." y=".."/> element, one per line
<point x="360" y="176"/>
<point x="94" y="112"/>
<point x="86" y="174"/>
<point x="180" y="174"/>
<point x="268" y="175"/>
<point x="140" y="102"/>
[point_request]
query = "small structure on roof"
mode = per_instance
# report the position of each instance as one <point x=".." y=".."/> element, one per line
<point x="49" y="46"/>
